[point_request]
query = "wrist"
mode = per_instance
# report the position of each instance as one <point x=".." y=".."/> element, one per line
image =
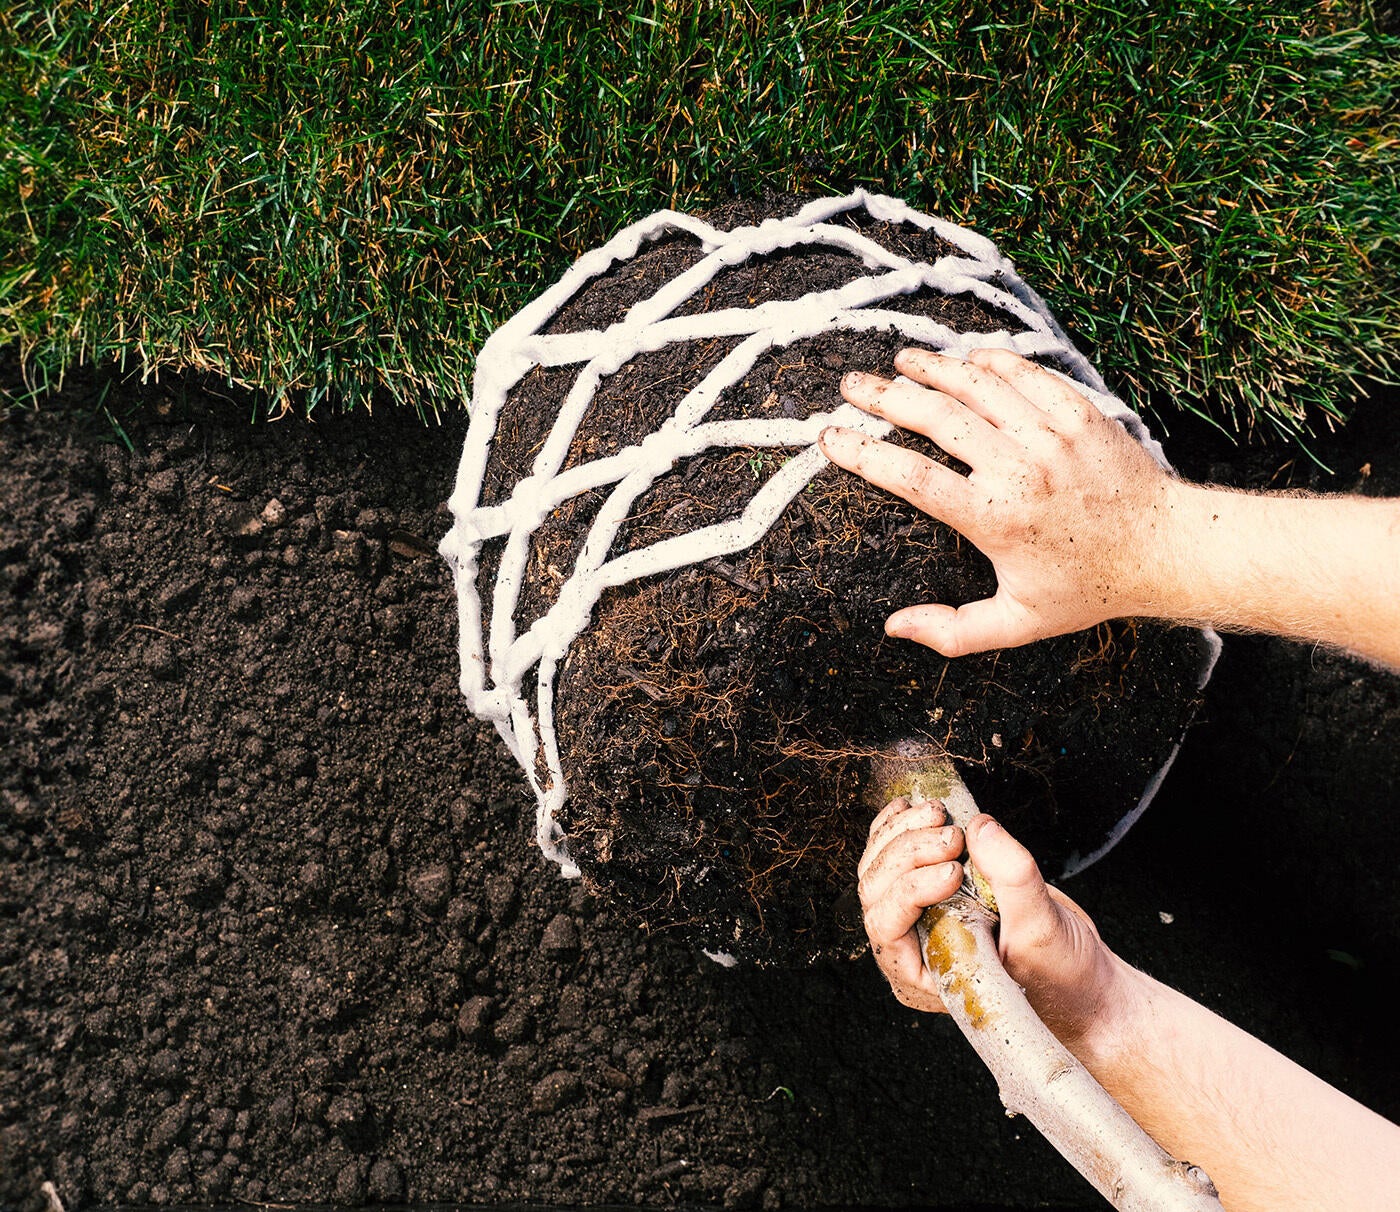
<point x="1105" y="1037"/>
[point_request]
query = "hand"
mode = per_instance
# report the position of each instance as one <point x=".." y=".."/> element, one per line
<point x="1070" y="510"/>
<point x="1047" y="942"/>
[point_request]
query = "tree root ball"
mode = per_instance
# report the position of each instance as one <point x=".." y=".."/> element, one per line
<point x="715" y="722"/>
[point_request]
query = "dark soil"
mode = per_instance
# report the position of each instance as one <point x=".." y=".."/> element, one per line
<point x="272" y="927"/>
<point x="716" y="723"/>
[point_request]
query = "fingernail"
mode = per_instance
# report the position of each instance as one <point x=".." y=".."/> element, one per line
<point x="988" y="828"/>
<point x="950" y="871"/>
<point x="897" y="628"/>
<point x="834" y="438"/>
<point x="854" y="378"/>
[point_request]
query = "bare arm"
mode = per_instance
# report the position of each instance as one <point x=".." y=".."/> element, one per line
<point x="1081" y="525"/>
<point x="1271" y="1135"/>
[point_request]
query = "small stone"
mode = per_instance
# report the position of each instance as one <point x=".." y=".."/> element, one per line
<point x="172" y="599"/>
<point x="515" y="1025"/>
<point x="349" y="1184"/>
<point x="168" y="1126"/>
<point x="348" y="549"/>
<point x="161" y="659"/>
<point x="193" y="757"/>
<point x="615" y="1079"/>
<point x="274" y="514"/>
<point x="571" y="1012"/>
<point x="474" y="1018"/>
<point x="346" y="1111"/>
<point x="177" y="1166"/>
<point x="165" y="486"/>
<point x="500" y="897"/>
<point x="245" y="603"/>
<point x="280" y="1112"/>
<point x="372" y="522"/>
<point x="385" y="1181"/>
<point x="313" y="878"/>
<point x="432" y="887"/>
<point x="560" y="938"/>
<point x="460" y="911"/>
<point x="165" y="1066"/>
<point x="554" y="1091"/>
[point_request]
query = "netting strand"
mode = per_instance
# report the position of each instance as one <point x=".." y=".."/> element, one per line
<point x="494" y="666"/>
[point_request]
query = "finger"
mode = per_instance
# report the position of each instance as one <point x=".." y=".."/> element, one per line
<point x="939" y="417"/>
<point x="902" y="964"/>
<point x="1065" y="407"/>
<point x="982" y="390"/>
<point x="1028" y="912"/>
<point x="894" y="914"/>
<point x="995" y="622"/>
<point x="897" y="816"/>
<point x="930" y="486"/>
<point x="907" y="852"/>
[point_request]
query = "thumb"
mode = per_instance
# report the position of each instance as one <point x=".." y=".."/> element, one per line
<point x="1029" y="917"/>
<point x="995" y="622"/>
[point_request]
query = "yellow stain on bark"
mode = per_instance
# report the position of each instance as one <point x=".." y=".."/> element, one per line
<point x="949" y="948"/>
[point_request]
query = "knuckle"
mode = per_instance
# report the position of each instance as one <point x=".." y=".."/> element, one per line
<point x="954" y="644"/>
<point x="1083" y="409"/>
<point x="918" y="479"/>
<point x="1020" y="868"/>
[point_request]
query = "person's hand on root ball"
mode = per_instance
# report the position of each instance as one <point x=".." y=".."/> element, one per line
<point x="1062" y="500"/>
<point x="1082" y="525"/>
<point x="1047" y="943"/>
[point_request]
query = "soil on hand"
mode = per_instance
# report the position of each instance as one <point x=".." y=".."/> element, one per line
<point x="716" y="724"/>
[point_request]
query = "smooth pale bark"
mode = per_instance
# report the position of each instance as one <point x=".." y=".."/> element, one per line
<point x="1037" y="1076"/>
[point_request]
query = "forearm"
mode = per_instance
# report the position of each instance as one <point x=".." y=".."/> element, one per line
<point x="1325" y="569"/>
<point x="1270" y="1135"/>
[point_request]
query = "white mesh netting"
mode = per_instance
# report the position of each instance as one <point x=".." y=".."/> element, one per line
<point x="494" y="666"/>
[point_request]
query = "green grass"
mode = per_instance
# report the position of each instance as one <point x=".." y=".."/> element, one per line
<point x="341" y="199"/>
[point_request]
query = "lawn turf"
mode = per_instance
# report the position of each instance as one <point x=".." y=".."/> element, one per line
<point x="340" y="200"/>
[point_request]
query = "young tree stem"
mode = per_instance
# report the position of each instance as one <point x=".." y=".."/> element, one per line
<point x="1037" y="1076"/>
